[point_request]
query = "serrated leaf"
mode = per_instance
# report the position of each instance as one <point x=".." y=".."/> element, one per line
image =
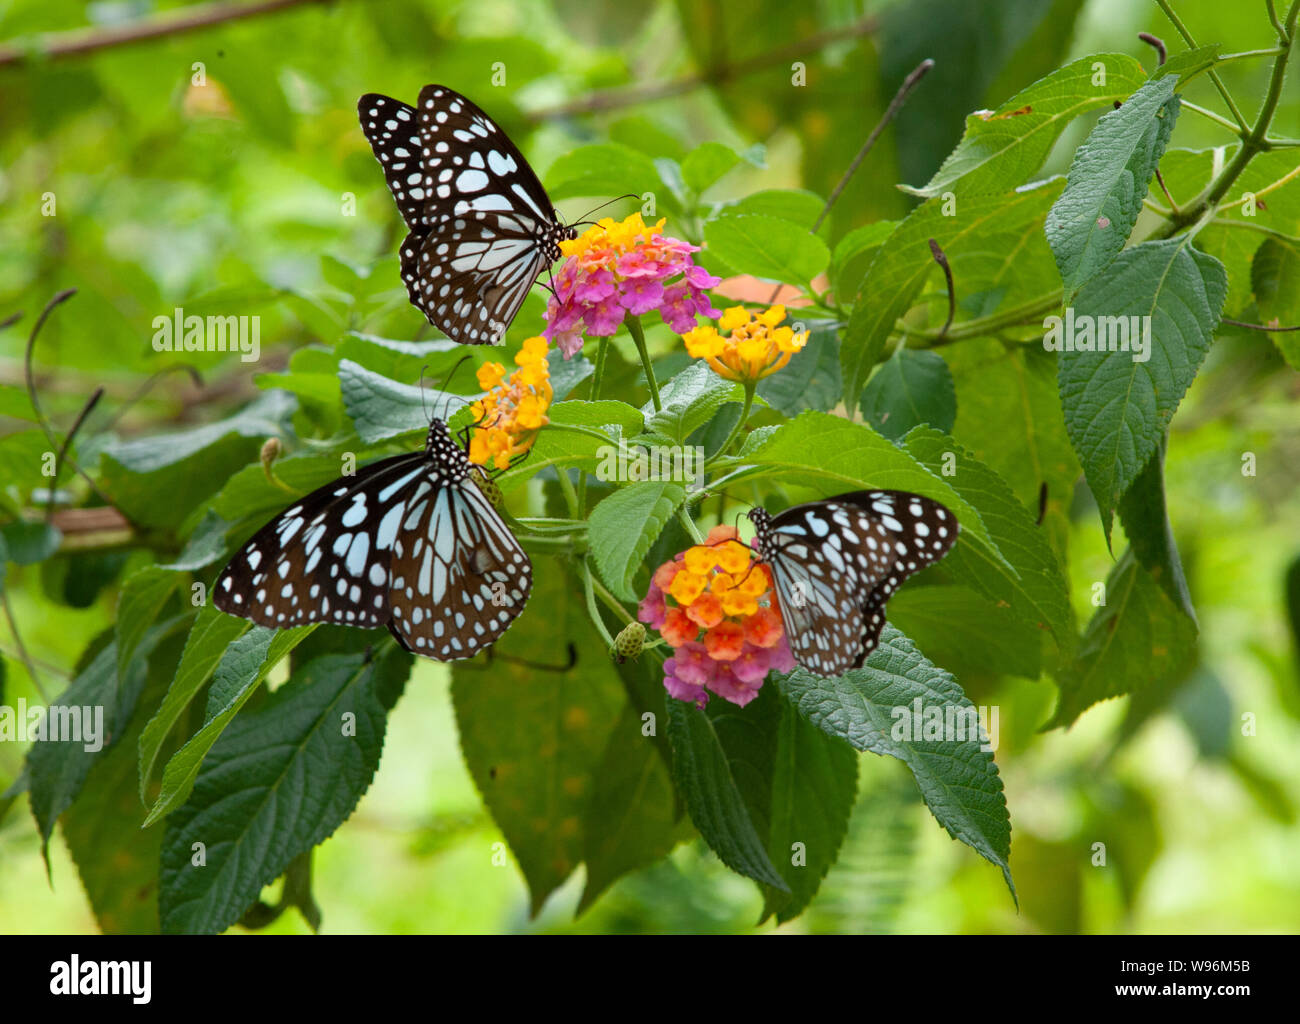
<point x="964" y="632"/>
<point x="912" y="387"/>
<point x="1117" y="408"/>
<point x="622" y="527"/>
<point x="240" y="671"/>
<point x="811" y="380"/>
<point x="278" y="782"/>
<point x="209" y="637"/>
<point x="766" y="247"/>
<point x="1138" y="640"/>
<point x="143" y="597"/>
<point x="690" y="400"/>
<point x="1189" y="63"/>
<point x="958" y="780"/>
<point x="814" y="783"/>
<point x="706" y="781"/>
<point x="382" y="408"/>
<point x="1089" y="224"/>
<point x="1002" y="148"/>
<point x="1034" y="589"/>
<point x="706" y="163"/>
<point x="1146" y="524"/>
<point x="534" y="740"/>
<point x="986" y="243"/>
<point x="1275" y="281"/>
<point x="603" y="169"/>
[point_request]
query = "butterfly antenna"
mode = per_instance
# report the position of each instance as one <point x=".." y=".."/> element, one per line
<point x="584" y="220"/>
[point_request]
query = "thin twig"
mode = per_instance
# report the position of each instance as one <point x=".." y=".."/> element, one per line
<point x="900" y="97"/>
<point x="941" y="258"/>
<point x="1159" y="45"/>
<point x="626" y="96"/>
<point x="67" y="443"/>
<point x="79" y="41"/>
<point x="1258" y="327"/>
<point x="1167" y="7"/>
<point x="22" y="647"/>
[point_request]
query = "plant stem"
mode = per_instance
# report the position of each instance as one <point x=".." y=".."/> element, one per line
<point x="1167" y="7"/>
<point x="566" y="488"/>
<point x="1216" y="118"/>
<point x="638" y="337"/>
<point x="612" y="602"/>
<point x="983" y="325"/>
<point x="750" y="387"/>
<point x="592" y="611"/>
<point x="22" y="647"/>
<point x="690" y="526"/>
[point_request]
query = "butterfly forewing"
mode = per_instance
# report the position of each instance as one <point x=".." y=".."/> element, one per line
<point x="325" y="558"/>
<point x="835" y="564"/>
<point x="482" y="226"/>
<point x="391" y="128"/>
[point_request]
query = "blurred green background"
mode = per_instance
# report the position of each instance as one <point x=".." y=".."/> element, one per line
<point x="234" y="195"/>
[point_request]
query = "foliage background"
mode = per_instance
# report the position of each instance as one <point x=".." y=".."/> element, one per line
<point x="164" y="201"/>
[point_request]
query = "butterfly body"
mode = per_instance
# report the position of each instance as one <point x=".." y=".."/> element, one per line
<point x="481" y="227"/>
<point x="835" y="563"/>
<point x="409" y="542"/>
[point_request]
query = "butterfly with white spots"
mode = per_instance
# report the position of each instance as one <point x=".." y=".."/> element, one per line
<point x="482" y="228"/>
<point x="409" y="542"/>
<point x="836" y="562"/>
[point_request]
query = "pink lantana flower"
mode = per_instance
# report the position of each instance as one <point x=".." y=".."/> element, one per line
<point x="619" y="267"/>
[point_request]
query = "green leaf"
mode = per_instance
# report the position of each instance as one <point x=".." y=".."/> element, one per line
<point x="852" y="256"/>
<point x="832" y="455"/>
<point x="1000" y="149"/>
<point x="1275" y="281"/>
<point x="398" y="359"/>
<point x="1189" y="63"/>
<point x="964" y="632"/>
<point x="798" y="206"/>
<point x="279" y="781"/>
<point x="603" y="169"/>
<point x="988" y="240"/>
<point x="630" y="821"/>
<point x="706" y="781"/>
<point x="57" y="770"/>
<point x="1146" y="523"/>
<point x="1138" y="640"/>
<point x="690" y="400"/>
<point x="158" y="481"/>
<point x="706" y="163"/>
<point x="1034" y="588"/>
<point x="143" y="597"/>
<point x="912" y="387"/>
<point x="28" y="542"/>
<point x="248" y="494"/>
<point x="766" y="247"/>
<point x="873" y="707"/>
<point x="382" y="408"/>
<point x="116" y="859"/>
<point x="1089" y="224"/>
<point x="534" y="740"/>
<point x="1116" y="408"/>
<point x="814" y="782"/>
<point x="624" y="525"/>
<point x="209" y="637"/>
<point x="811" y="380"/>
<point x="242" y="668"/>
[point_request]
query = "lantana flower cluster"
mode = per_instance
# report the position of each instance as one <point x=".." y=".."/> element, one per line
<point x="755" y="347"/>
<point x="715" y="607"/>
<point x="509" y="416"/>
<point x="619" y="267"/>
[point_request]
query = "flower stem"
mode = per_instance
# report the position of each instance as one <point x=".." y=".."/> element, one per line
<point x="638" y="336"/>
<point x="740" y="423"/>
<point x="592" y="611"/>
<point x="689" y="523"/>
<point x="598" y="376"/>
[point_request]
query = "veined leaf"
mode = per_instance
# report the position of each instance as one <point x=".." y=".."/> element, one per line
<point x="624" y="525"/>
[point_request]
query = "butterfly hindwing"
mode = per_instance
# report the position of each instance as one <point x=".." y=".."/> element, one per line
<point x="459" y="575"/>
<point x="836" y="563"/>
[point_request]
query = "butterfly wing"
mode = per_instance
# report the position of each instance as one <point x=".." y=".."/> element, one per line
<point x="325" y="558"/>
<point x="836" y="563"/>
<point x="458" y="576"/>
<point x="823" y="556"/>
<point x="921" y="531"/>
<point x="391" y="128"/>
<point x="471" y="274"/>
